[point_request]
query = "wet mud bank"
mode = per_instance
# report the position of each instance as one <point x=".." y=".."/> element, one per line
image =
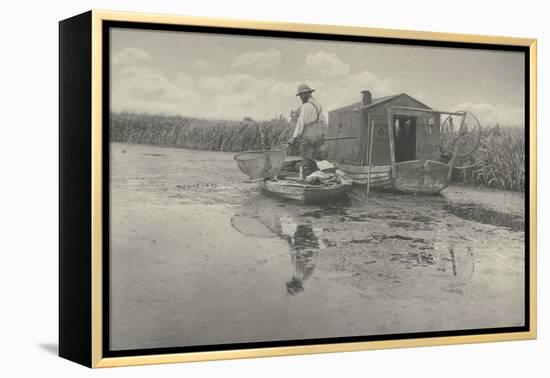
<point x="489" y="206"/>
<point x="475" y="212"/>
<point x="200" y="257"/>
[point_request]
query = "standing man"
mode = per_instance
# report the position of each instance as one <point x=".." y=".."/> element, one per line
<point x="310" y="130"/>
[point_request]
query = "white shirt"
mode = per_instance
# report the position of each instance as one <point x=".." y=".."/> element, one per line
<point x="308" y="114"/>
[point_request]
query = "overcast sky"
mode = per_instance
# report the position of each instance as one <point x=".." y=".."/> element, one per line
<point x="232" y="77"/>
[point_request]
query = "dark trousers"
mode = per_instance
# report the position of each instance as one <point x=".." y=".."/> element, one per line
<point x="312" y="150"/>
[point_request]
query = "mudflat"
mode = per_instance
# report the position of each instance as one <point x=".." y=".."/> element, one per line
<point x="198" y="257"/>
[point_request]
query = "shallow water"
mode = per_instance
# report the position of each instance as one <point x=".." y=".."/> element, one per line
<point x="199" y="257"/>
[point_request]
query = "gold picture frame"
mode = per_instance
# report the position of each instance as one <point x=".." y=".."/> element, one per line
<point x="82" y="261"/>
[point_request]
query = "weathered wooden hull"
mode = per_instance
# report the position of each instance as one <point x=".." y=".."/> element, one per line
<point x="380" y="175"/>
<point x="416" y="177"/>
<point x="305" y="193"/>
<point x="413" y="177"/>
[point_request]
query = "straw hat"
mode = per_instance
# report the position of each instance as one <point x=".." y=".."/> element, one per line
<point x="303" y="88"/>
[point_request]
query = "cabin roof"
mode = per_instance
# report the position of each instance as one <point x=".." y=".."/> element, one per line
<point x="375" y="101"/>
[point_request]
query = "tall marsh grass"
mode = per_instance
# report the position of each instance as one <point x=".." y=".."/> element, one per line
<point x="499" y="162"/>
<point x="198" y="134"/>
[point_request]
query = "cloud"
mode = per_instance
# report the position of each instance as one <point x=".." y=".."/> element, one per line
<point x="230" y="96"/>
<point x="184" y="80"/>
<point x="342" y="91"/>
<point x="326" y="64"/>
<point x="130" y="62"/>
<point x="137" y="85"/>
<point x="201" y="64"/>
<point x="238" y="95"/>
<point x="130" y="71"/>
<point x="234" y="95"/>
<point x="258" y="60"/>
<point x="489" y="114"/>
<point x="366" y="80"/>
<point x="130" y="56"/>
<point x="235" y="82"/>
<point x="150" y="91"/>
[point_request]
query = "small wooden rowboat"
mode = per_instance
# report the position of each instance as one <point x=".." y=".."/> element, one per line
<point x="266" y="165"/>
<point x="305" y="193"/>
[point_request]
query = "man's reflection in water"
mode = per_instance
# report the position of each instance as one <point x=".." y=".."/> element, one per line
<point x="303" y="245"/>
<point x="304" y="241"/>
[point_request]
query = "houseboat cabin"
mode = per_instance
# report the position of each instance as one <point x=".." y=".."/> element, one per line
<point x="405" y="143"/>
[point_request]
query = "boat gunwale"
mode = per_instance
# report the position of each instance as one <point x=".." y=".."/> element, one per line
<point x="348" y="182"/>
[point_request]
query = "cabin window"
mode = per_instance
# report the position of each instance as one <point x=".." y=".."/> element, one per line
<point x="404" y="138"/>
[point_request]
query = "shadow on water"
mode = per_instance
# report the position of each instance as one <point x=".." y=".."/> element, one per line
<point x="336" y="207"/>
<point x="400" y="211"/>
<point x="473" y="212"/>
<point x="379" y="238"/>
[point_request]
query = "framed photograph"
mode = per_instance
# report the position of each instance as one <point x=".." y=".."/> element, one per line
<point x="234" y="189"/>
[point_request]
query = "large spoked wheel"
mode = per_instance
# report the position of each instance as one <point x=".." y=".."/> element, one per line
<point x="466" y="139"/>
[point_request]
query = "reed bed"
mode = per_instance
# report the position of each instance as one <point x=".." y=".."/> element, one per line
<point x="500" y="161"/>
<point x="198" y="134"/>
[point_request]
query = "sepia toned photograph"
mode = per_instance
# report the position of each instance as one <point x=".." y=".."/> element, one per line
<point x="294" y="189"/>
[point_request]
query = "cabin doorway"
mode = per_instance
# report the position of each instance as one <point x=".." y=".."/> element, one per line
<point x="404" y="132"/>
